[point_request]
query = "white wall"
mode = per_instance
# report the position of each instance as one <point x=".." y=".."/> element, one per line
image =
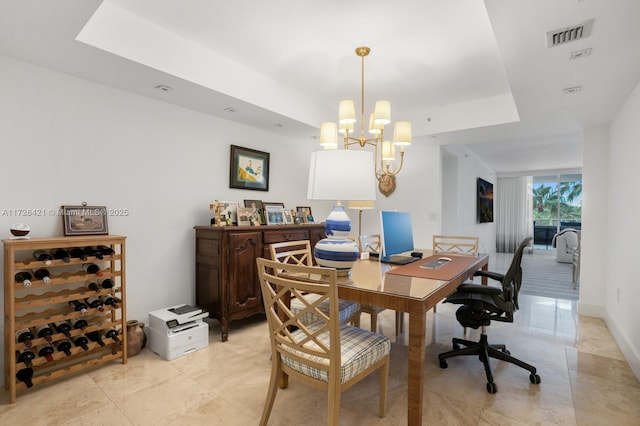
<point x="450" y="197"/>
<point x="621" y="290"/>
<point x="469" y="169"/>
<point x="66" y="140"/>
<point x="417" y="191"/>
<point x="595" y="222"/>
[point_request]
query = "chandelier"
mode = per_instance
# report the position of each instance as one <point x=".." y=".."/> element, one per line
<point x="385" y="165"/>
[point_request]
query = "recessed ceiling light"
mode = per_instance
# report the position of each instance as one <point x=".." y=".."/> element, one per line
<point x="580" y="53"/>
<point x="573" y="89"/>
<point x="164" y="88"/>
<point x="230" y="109"/>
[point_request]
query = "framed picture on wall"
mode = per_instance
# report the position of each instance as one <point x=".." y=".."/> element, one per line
<point x="248" y="169"/>
<point x="484" y="201"/>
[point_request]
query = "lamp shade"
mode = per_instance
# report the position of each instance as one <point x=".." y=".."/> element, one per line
<point x="382" y="112"/>
<point x="375" y="128"/>
<point x="328" y="135"/>
<point x="345" y="128"/>
<point x="388" y="151"/>
<point x="361" y="204"/>
<point x="346" y="112"/>
<point x="341" y="175"/>
<point x="402" y="133"/>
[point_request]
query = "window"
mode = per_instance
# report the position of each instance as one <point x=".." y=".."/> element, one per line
<point x="557" y="204"/>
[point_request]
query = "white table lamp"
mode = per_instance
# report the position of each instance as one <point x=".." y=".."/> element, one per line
<point x="340" y="175"/>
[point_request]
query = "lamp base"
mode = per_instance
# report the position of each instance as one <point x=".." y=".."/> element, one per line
<point x="337" y="250"/>
<point x="338" y="253"/>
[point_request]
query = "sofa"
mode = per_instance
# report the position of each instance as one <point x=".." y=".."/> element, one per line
<point x="566" y="243"/>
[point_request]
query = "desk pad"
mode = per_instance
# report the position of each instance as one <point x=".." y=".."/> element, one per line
<point x="445" y="272"/>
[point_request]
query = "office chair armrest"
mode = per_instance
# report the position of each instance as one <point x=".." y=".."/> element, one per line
<point x="479" y="289"/>
<point x="493" y="275"/>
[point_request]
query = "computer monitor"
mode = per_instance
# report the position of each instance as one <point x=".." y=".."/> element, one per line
<point x="396" y="232"/>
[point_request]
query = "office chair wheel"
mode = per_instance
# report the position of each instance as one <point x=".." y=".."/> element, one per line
<point x="535" y="379"/>
<point x="492" y="387"/>
<point x="443" y="363"/>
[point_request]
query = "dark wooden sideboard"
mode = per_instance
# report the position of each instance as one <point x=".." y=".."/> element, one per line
<point x="226" y="274"/>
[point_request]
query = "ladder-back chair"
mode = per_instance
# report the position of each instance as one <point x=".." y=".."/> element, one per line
<point x="324" y="354"/>
<point x="299" y="253"/>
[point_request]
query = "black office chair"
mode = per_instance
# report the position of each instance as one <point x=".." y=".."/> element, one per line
<point x="482" y="304"/>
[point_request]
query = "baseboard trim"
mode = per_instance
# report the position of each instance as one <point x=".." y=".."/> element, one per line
<point x="597" y="311"/>
<point x="629" y="352"/>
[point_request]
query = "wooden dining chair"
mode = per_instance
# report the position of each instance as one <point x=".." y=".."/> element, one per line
<point x="324" y="354"/>
<point x="299" y="253"/>
<point x="371" y="244"/>
<point x="455" y="244"/>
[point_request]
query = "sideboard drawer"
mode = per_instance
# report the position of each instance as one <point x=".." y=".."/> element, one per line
<point x="285" y="235"/>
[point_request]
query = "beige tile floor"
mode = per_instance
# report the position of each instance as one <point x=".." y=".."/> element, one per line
<point x="585" y="381"/>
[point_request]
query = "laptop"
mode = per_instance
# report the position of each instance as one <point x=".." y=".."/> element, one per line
<point x="398" y="259"/>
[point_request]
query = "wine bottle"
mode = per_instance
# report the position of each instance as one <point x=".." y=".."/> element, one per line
<point x="109" y="300"/>
<point x="78" y="253"/>
<point x="94" y="303"/>
<point x="63" y="345"/>
<point x="78" y="305"/>
<point x="79" y="323"/>
<point x="46" y="351"/>
<point x="44" y="331"/>
<point x="62" y="254"/>
<point x="25" y="375"/>
<point x="90" y="251"/>
<point x="23" y="277"/>
<point x="93" y="286"/>
<point x="62" y="327"/>
<point x="92" y="268"/>
<point x="106" y="283"/>
<point x="81" y="342"/>
<point x="105" y="250"/>
<point x="25" y="336"/>
<point x="42" y="256"/>
<point x="112" y="333"/>
<point x="25" y="355"/>
<point x="44" y="275"/>
<point x="94" y="336"/>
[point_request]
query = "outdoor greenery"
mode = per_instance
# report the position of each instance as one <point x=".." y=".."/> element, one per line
<point x="545" y="202"/>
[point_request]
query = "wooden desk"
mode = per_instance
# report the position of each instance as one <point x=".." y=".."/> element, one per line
<point x="372" y="284"/>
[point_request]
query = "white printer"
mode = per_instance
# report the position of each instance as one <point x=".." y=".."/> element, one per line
<point x="178" y="330"/>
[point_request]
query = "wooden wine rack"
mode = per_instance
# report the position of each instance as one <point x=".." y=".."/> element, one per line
<point x="47" y="303"/>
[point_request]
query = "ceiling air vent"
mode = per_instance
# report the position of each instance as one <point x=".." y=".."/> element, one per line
<point x="565" y="35"/>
